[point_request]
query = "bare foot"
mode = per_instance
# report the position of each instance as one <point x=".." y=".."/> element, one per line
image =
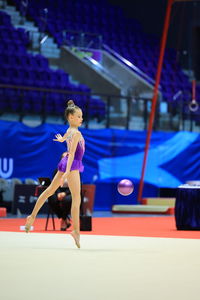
<point x="29" y="221"/>
<point x="76" y="237"/>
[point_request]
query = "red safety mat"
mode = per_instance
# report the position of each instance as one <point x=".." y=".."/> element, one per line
<point x="117" y="226"/>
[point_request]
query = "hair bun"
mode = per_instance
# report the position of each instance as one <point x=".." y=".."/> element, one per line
<point x="70" y="103"/>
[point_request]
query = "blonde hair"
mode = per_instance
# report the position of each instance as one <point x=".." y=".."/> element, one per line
<point x="70" y="109"/>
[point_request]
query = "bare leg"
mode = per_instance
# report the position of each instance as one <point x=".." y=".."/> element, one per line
<point x="74" y="186"/>
<point x="42" y="198"/>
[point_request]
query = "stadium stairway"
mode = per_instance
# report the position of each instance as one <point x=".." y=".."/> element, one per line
<point x="106" y="77"/>
<point x="18" y="33"/>
<point x="41" y="43"/>
<point x="50" y="50"/>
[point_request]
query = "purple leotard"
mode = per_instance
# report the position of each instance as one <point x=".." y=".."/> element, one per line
<point x="78" y="155"/>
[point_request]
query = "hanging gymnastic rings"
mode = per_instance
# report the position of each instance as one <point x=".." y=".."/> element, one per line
<point x="193" y="105"/>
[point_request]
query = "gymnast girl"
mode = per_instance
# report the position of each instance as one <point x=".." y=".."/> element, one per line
<point x="69" y="169"/>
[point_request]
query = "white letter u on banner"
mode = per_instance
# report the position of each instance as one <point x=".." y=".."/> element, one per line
<point x="6" y="167"/>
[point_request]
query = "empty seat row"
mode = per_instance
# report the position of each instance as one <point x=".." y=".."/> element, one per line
<point x="125" y="36"/>
<point x="17" y="67"/>
<point x="25" y="60"/>
<point x="23" y="101"/>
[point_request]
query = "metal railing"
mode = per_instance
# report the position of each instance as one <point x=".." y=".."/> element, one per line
<point x="82" y="39"/>
<point x="95" y="64"/>
<point x="129" y="64"/>
<point x="110" y="111"/>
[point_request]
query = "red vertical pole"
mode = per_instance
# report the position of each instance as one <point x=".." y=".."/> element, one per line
<point x="155" y="94"/>
<point x="193" y="89"/>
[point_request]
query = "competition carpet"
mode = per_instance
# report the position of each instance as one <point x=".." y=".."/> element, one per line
<point x="115" y="226"/>
<point x="122" y="258"/>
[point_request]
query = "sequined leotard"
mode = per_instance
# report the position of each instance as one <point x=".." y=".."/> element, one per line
<point x="78" y="155"/>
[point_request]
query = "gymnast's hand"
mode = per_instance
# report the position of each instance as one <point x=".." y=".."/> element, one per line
<point x="59" y="138"/>
<point x="63" y="178"/>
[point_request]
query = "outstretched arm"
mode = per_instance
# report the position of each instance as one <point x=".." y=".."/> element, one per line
<point x="60" y="138"/>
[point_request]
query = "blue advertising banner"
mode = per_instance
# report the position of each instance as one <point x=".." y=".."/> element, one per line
<point x="111" y="154"/>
